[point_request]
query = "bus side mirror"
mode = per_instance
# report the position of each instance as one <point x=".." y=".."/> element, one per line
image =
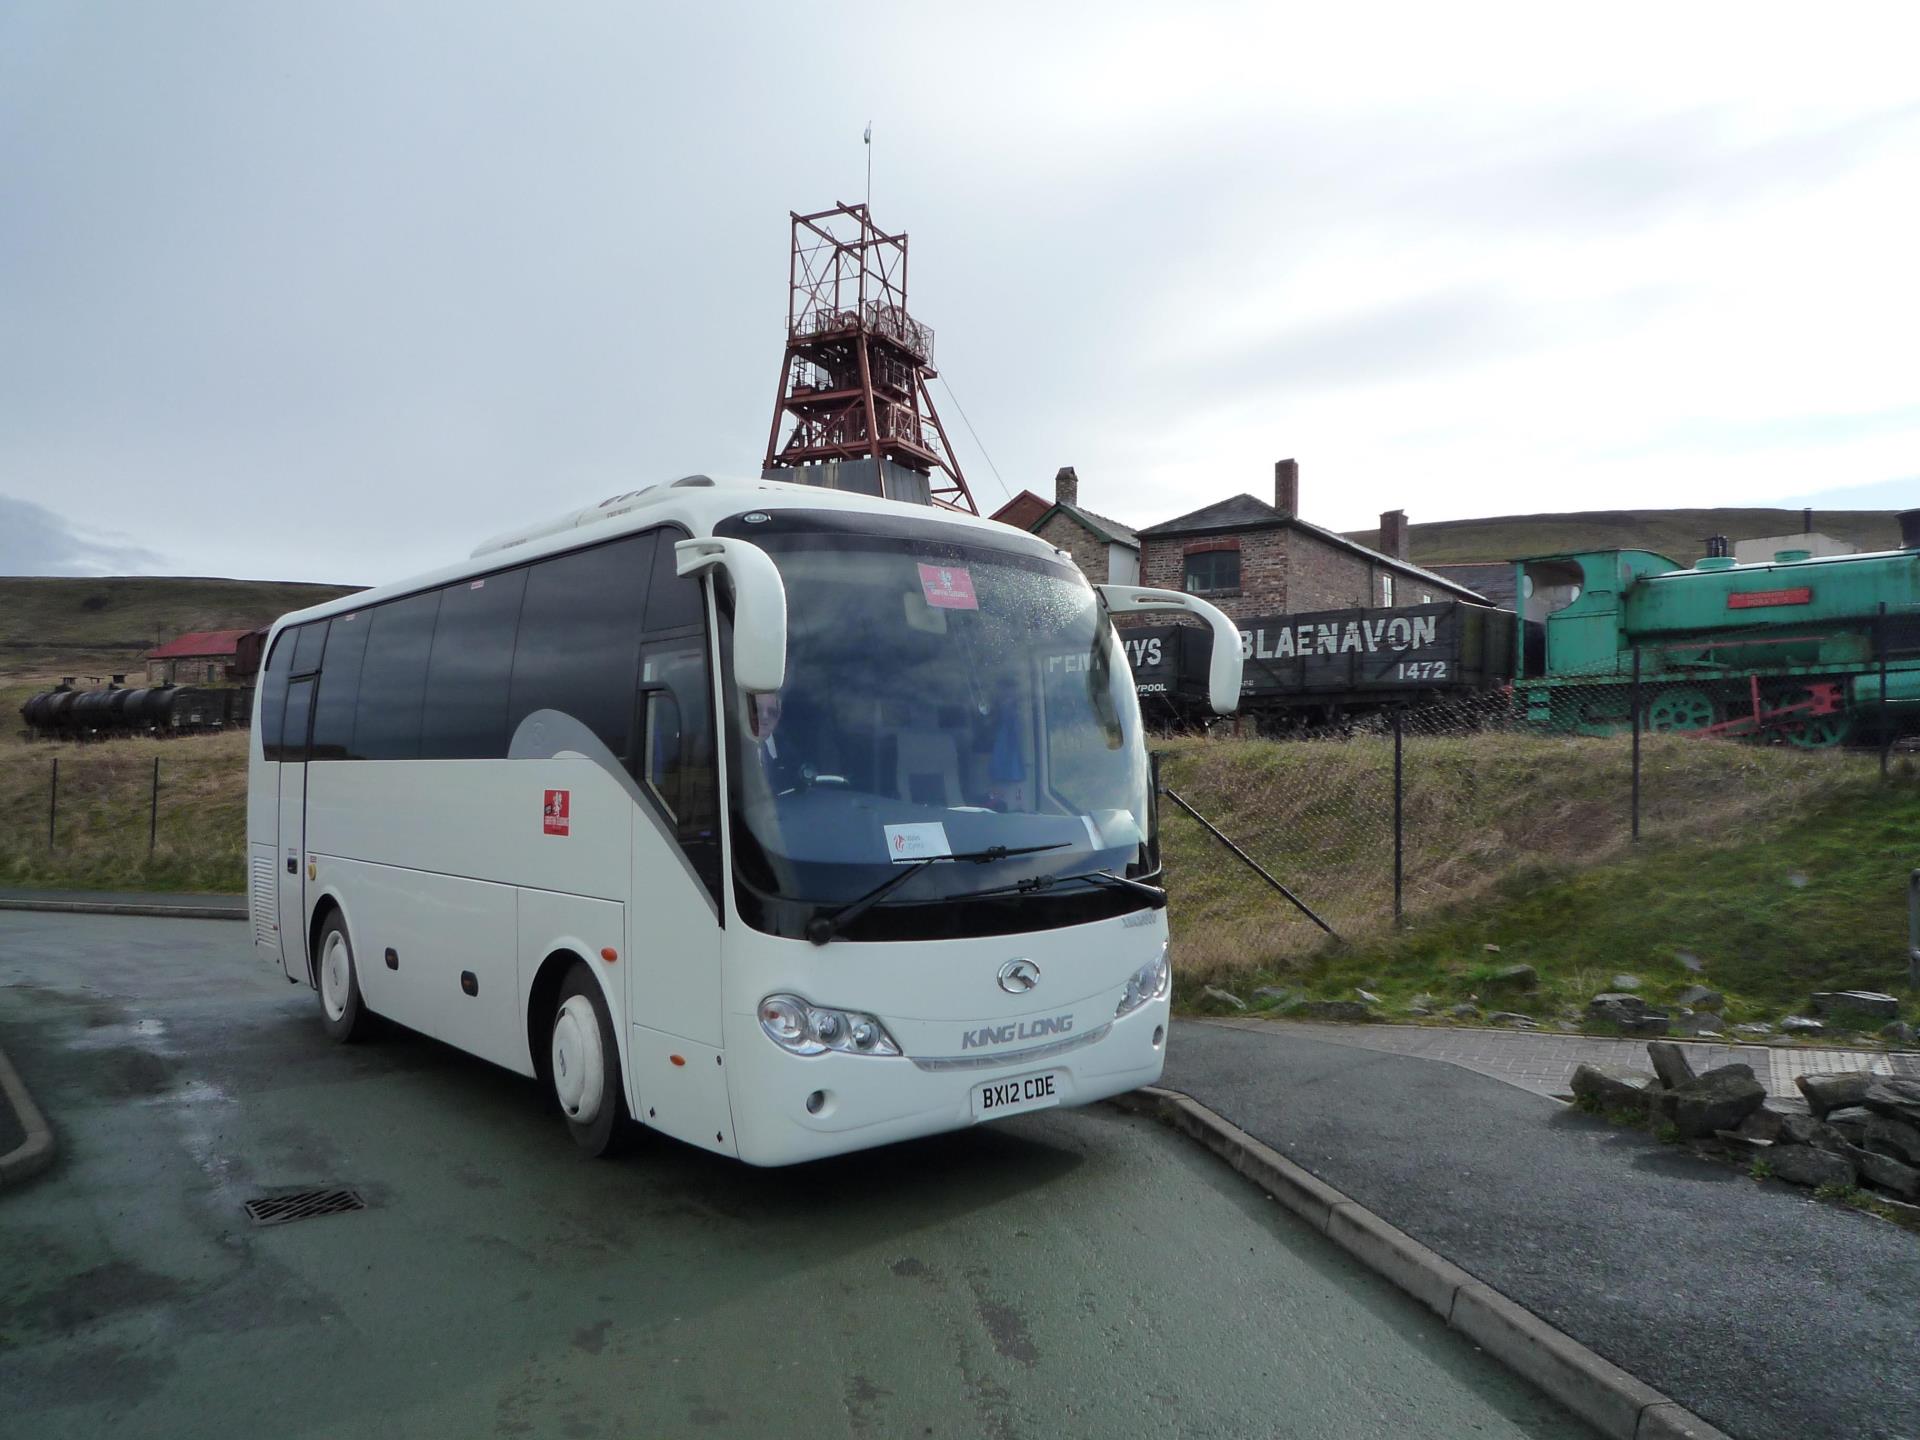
<point x="760" y="607"/>
<point x="1223" y="673"/>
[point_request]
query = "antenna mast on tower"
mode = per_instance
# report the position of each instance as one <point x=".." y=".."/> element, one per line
<point x="853" y="384"/>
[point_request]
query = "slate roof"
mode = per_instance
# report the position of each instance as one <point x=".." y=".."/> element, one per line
<point x="196" y="644"/>
<point x="1112" y="531"/>
<point x="1250" y="512"/>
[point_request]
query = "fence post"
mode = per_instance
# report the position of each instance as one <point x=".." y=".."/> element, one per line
<point x="1886" y="729"/>
<point x="153" y="809"/>
<point x="53" y="799"/>
<point x="1399" y="821"/>
<point x="1635" y="702"/>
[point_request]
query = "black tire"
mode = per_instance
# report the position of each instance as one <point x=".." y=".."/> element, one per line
<point x="337" y="982"/>
<point x="593" y="1105"/>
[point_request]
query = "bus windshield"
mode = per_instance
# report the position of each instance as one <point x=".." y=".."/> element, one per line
<point x="942" y="696"/>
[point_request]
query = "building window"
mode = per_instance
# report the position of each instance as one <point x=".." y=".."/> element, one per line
<point x="1212" y="572"/>
<point x="1425" y="599"/>
<point x="1386" y="590"/>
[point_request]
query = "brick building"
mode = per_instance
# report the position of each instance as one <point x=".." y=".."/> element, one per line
<point x="1106" y="551"/>
<point x="1251" y="557"/>
<point x="206" y="657"/>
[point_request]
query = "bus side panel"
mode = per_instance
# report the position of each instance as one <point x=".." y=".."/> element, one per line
<point x="384" y="913"/>
<point x="263" y="838"/>
<point x="674" y="983"/>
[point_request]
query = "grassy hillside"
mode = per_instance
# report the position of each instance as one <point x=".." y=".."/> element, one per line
<point x="63" y="625"/>
<point x="1674" y="533"/>
<point x="1783" y="872"/>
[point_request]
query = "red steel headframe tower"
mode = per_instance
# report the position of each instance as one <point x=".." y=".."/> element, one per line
<point x="854" y="380"/>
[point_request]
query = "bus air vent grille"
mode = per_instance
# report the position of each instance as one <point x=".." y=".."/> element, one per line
<point x="285" y="1208"/>
<point x="266" y="901"/>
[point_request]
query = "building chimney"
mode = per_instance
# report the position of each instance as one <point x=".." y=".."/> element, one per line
<point x="1286" y="487"/>
<point x="1393" y="533"/>
<point x="1066" y="486"/>
<point x="1806" y="521"/>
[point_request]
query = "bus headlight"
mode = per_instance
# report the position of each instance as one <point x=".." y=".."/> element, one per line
<point x="1149" y="982"/>
<point x="803" y="1028"/>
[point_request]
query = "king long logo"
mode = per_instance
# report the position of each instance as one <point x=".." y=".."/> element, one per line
<point x="1024" y="1030"/>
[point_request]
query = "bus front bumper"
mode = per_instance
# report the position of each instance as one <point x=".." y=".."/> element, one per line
<point x="789" y="1108"/>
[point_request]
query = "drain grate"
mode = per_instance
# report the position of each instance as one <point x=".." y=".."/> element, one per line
<point x="303" y="1205"/>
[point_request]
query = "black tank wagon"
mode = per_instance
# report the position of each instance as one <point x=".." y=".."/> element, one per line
<point x="1320" y="667"/>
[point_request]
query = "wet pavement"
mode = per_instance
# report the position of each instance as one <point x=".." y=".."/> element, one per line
<point x="1069" y="1273"/>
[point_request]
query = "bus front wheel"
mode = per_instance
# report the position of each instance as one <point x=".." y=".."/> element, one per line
<point x="341" y="1009"/>
<point x="585" y="1065"/>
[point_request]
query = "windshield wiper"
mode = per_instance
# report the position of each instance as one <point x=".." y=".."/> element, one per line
<point x="1033" y="884"/>
<point x="822" y="928"/>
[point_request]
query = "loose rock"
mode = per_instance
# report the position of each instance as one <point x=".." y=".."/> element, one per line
<point x="1801" y="1025"/>
<point x="1701" y="998"/>
<point x="1513" y="1018"/>
<point x="1615" y="1006"/>
<point x="1224" y="997"/>
<point x="1465" y="1012"/>
<point x="1332" y="1010"/>
<point x="1275" y="996"/>
<point x="1896" y="1136"/>
<point x="1613" y="1087"/>
<point x="1805" y="1130"/>
<point x="1697" y="1022"/>
<point x="1898" y="1033"/>
<point x="1902" y="1180"/>
<point x="1670" y="1064"/>
<point x="1719" y="1099"/>
<point x="1870" y="1003"/>
<point x="1690" y="961"/>
<point x="1644" y="1025"/>
<point x="1512" y="977"/>
<point x="1753" y="1030"/>
<point x="1626" y="982"/>
<point x="1832" y="1092"/>
<point x="1895" y="1099"/>
<point x="1803" y="1165"/>
<point x="1368" y="996"/>
<point x="1763" y="1124"/>
<point x="1850" y="1123"/>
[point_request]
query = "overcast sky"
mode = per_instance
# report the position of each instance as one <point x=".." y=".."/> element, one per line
<point x="331" y="292"/>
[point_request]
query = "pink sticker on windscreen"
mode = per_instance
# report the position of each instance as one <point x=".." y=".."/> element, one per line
<point x="948" y="587"/>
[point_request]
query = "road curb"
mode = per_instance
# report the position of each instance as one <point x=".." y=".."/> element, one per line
<point x="109" y="907"/>
<point x="1593" y="1388"/>
<point x="34" y="1153"/>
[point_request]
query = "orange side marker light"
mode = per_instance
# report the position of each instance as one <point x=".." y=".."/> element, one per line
<point x="678" y="1059"/>
<point x="609" y="954"/>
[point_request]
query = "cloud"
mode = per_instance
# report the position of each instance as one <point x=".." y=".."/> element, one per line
<point x="35" y="541"/>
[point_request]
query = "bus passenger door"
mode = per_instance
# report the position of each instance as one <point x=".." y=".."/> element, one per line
<point x="291" y="853"/>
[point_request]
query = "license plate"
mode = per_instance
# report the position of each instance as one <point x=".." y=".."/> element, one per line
<point x="1011" y="1097"/>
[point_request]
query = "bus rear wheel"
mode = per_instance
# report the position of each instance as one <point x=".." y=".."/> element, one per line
<point x="584" y="1065"/>
<point x="342" y="1010"/>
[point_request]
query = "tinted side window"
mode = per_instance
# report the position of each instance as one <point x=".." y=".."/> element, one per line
<point x="674" y="602"/>
<point x="579" y="639"/>
<point x="293" y="734"/>
<point x="339" y="687"/>
<point x="393" y="679"/>
<point x="466" y="711"/>
<point x="678" y="767"/>
<point x="309" y="640"/>
<point x="273" y="693"/>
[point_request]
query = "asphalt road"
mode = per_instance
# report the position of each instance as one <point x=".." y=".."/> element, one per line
<point x="1772" y="1315"/>
<point x="1078" y="1273"/>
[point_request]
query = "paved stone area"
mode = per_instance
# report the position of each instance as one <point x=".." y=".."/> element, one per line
<point x="1544" y="1063"/>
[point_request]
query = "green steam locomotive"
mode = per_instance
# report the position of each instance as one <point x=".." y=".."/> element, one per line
<point x="1812" y="651"/>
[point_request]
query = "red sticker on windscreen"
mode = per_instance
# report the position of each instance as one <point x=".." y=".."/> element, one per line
<point x="554" y="815"/>
<point x="948" y="587"/>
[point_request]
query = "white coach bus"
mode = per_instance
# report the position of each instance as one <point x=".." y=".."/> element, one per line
<point x="783" y="820"/>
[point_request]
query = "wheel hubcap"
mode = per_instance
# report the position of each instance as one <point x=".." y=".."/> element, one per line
<point x="336" y="971"/>
<point x="579" y="1069"/>
<point x="1680" y="710"/>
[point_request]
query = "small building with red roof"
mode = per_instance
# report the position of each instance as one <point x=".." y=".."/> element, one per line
<point x="207" y="657"/>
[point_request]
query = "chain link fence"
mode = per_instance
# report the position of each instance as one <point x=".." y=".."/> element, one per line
<point x="1409" y="810"/>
